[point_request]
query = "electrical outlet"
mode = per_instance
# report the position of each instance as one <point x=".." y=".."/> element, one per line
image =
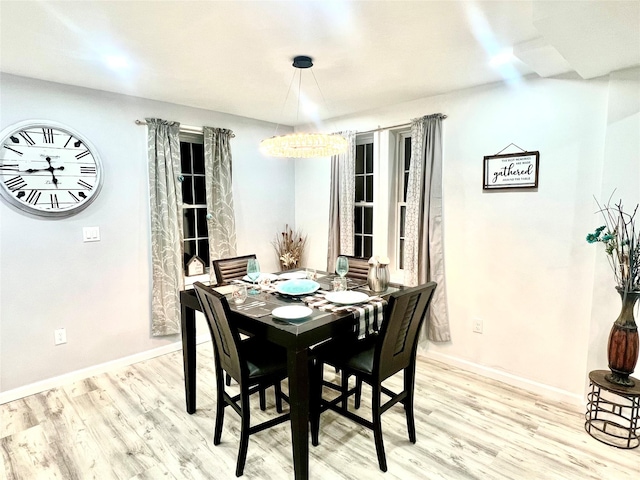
<point x="477" y="325"/>
<point x="60" y="336"/>
<point x="91" y="234"/>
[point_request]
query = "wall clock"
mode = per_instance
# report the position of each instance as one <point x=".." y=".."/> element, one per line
<point x="48" y="169"/>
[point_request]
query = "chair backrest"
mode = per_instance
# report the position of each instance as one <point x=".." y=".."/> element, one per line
<point x="226" y="337"/>
<point x="398" y="340"/>
<point x="227" y="269"/>
<point x="358" y="267"/>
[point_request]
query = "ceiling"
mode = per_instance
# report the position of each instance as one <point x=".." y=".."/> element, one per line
<point x="235" y="56"/>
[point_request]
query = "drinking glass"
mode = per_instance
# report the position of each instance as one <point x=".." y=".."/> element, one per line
<point x="342" y="266"/>
<point x="239" y="294"/>
<point x="264" y="282"/>
<point x="339" y="284"/>
<point x="311" y="273"/>
<point x="253" y="272"/>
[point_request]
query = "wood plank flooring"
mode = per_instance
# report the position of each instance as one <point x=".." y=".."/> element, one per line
<point x="131" y="424"/>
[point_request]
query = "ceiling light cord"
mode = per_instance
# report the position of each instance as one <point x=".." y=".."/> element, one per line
<point x="303" y="145"/>
<point x="293" y="77"/>
<point x="299" y="94"/>
<point x="324" y="100"/>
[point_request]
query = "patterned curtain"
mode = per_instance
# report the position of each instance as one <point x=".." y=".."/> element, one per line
<point x="423" y="248"/>
<point x="220" y="213"/>
<point x="165" y="191"/>
<point x="341" y="204"/>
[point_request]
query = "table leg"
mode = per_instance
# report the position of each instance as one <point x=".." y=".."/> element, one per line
<point x="298" y="369"/>
<point x="188" y="325"/>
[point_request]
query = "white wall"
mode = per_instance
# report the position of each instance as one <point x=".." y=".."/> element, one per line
<point x="100" y="292"/>
<point x="518" y="259"/>
<point x="312" y="207"/>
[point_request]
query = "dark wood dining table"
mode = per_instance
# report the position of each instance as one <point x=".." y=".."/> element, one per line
<point x="295" y="338"/>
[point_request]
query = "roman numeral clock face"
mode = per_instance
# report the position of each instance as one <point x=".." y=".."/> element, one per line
<point x="47" y="169"/>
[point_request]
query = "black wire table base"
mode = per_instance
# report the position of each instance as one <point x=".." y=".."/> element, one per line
<point x="613" y="412"/>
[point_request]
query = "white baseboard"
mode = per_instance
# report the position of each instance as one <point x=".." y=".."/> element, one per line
<point x="543" y="390"/>
<point x="94" y="370"/>
<point x="546" y="391"/>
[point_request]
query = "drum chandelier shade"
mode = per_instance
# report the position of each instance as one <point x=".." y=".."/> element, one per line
<point x="303" y="145"/>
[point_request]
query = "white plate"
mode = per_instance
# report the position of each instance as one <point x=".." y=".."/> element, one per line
<point x="297" y="287"/>
<point x="270" y="276"/>
<point x="293" y="275"/>
<point x="224" y="289"/>
<point x="346" y="297"/>
<point x="292" y="312"/>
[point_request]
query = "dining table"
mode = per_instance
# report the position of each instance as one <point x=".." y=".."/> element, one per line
<point x="296" y="337"/>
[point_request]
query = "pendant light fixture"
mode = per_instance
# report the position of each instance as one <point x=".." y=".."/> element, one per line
<point x="303" y="145"/>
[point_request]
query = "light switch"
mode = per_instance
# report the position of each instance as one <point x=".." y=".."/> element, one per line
<point x="91" y="234"/>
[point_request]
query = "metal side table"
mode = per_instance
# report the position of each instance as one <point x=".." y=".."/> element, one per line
<point x="613" y="412"/>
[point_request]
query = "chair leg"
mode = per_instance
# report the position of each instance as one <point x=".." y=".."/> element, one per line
<point x="278" y="389"/>
<point x="377" y="425"/>
<point x="244" y="433"/>
<point x="344" y="388"/>
<point x="263" y="399"/>
<point x="316" y="400"/>
<point x="221" y="404"/>
<point x="228" y="380"/>
<point x="358" y="392"/>
<point x="409" y="381"/>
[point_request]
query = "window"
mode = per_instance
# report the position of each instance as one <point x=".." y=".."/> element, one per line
<point x="194" y="198"/>
<point x="381" y="179"/>
<point x="363" y="214"/>
<point x="403" y="162"/>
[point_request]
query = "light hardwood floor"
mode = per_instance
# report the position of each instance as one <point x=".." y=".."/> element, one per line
<point x="132" y="424"/>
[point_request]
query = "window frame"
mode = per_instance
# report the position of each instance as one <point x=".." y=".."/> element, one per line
<point x="388" y="186"/>
<point x="194" y="138"/>
<point x="400" y="194"/>
<point x="364" y="140"/>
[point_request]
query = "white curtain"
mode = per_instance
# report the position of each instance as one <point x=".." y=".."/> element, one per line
<point x="342" y="199"/>
<point x="221" y="221"/>
<point x="423" y="250"/>
<point x="165" y="192"/>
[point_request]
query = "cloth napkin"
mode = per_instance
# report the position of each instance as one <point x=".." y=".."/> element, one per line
<point x="268" y="288"/>
<point x="369" y="315"/>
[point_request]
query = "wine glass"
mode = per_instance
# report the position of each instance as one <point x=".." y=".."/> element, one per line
<point x="253" y="272"/>
<point x="342" y="266"/>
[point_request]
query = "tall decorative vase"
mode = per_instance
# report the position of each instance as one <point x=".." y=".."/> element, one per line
<point x="622" y="348"/>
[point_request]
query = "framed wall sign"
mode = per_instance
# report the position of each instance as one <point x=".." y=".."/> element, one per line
<point x="512" y="170"/>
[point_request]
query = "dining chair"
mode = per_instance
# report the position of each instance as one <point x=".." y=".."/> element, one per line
<point x="227" y="269"/>
<point x="254" y="363"/>
<point x="358" y="267"/>
<point x="373" y="360"/>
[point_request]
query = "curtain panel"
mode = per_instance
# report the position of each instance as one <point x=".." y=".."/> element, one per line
<point x="221" y="221"/>
<point x="165" y="189"/>
<point x="423" y="249"/>
<point x="341" y="202"/>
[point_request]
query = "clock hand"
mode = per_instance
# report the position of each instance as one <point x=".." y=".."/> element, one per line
<point x="52" y="169"/>
<point x="49" y="169"/>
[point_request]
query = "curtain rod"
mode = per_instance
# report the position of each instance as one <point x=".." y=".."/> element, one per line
<point x="379" y="129"/>
<point x="184" y="128"/>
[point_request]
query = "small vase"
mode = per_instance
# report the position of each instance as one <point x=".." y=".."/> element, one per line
<point x="622" y="348"/>
<point x="286" y="268"/>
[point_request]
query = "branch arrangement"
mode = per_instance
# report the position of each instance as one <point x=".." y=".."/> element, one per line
<point x="622" y="244"/>
<point x="289" y="245"/>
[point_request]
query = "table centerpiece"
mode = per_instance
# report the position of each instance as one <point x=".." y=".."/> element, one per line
<point x="622" y="246"/>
